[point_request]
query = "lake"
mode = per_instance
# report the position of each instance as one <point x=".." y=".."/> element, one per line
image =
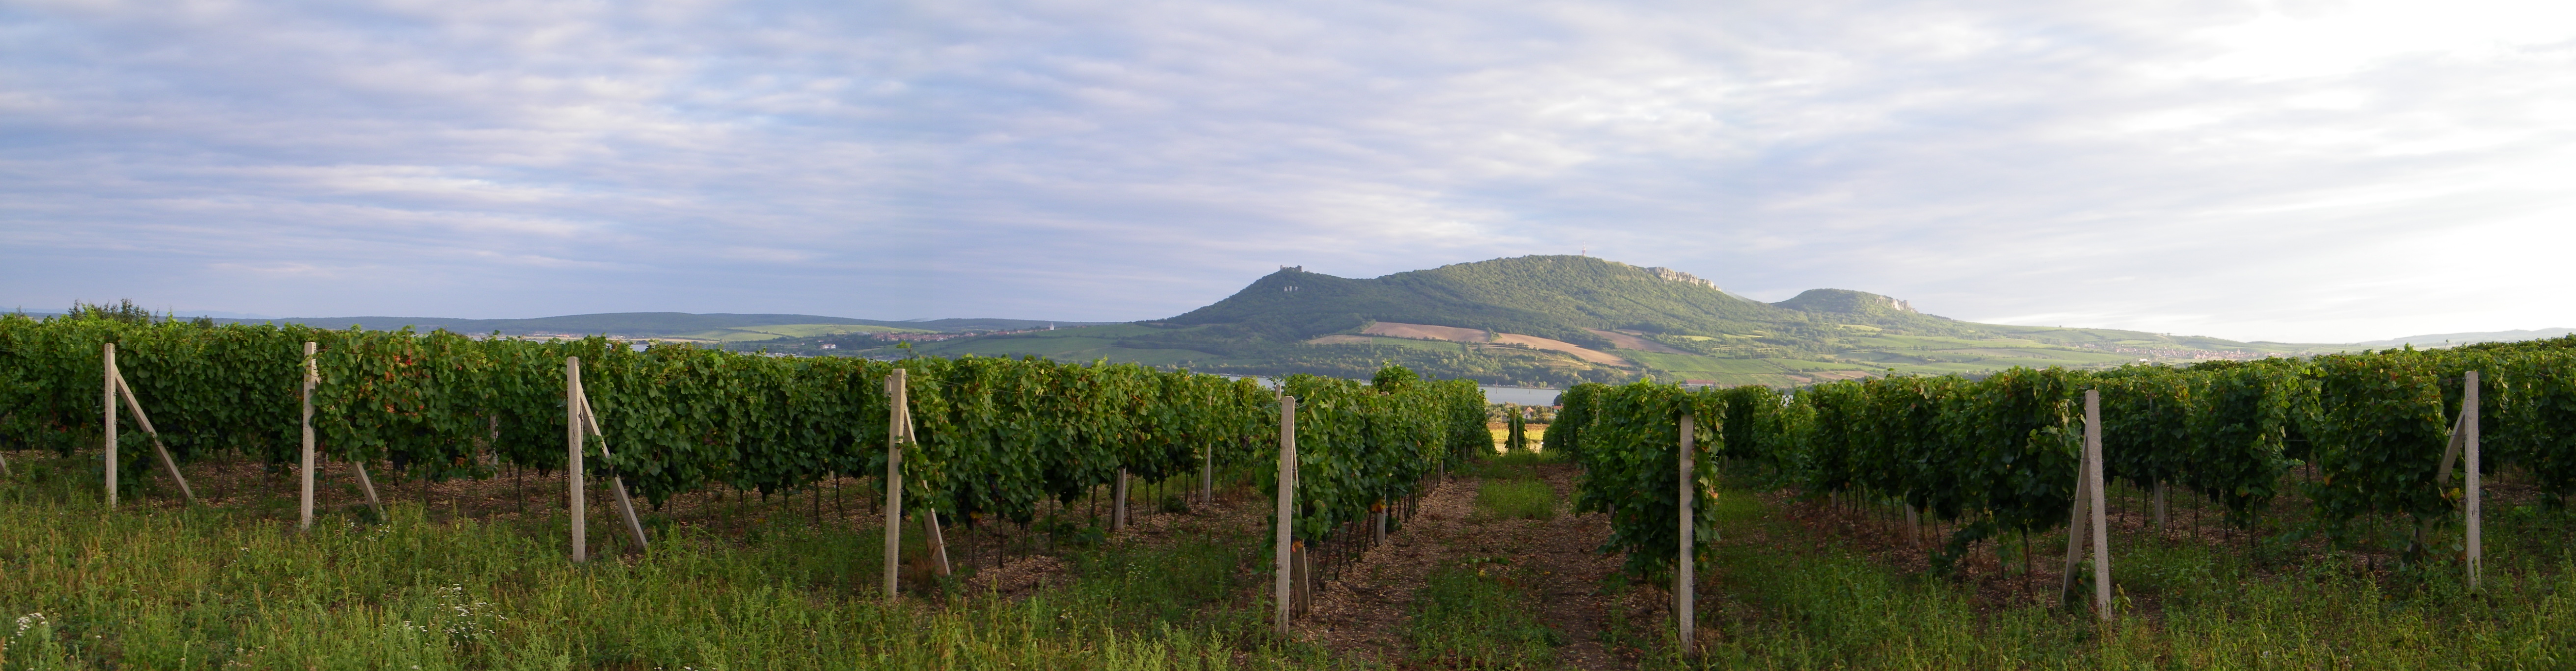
<point x="1520" y="395"/>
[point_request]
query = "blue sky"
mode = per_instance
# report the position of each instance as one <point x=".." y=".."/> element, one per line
<point x="2297" y="171"/>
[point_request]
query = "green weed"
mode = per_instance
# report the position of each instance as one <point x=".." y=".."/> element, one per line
<point x="1795" y="602"/>
<point x="212" y="588"/>
<point x="1516" y="499"/>
<point x="1479" y="614"/>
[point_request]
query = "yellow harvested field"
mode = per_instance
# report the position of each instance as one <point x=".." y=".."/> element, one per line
<point x="1537" y="432"/>
<point x="1425" y="331"/>
<point x="1579" y="352"/>
<point x="1626" y="341"/>
<point x="1455" y="334"/>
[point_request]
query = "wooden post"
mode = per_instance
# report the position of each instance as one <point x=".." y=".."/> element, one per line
<point x="1685" y="614"/>
<point x="311" y="372"/>
<point x="1280" y="549"/>
<point x="1379" y="538"/>
<point x="1118" y="508"/>
<point x="572" y="460"/>
<point x="2469" y="428"/>
<point x="107" y="400"/>
<point x="1305" y="589"/>
<point x="145" y="420"/>
<point x="897" y="420"/>
<point x="938" y="541"/>
<point x="625" y="504"/>
<point x="368" y="485"/>
<point x="1207" y="474"/>
<point x="1913" y="526"/>
<point x="2093" y="477"/>
<point x="2076" y="515"/>
<point x="2160" y="504"/>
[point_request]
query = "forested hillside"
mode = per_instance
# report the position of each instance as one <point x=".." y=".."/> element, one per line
<point x="1554" y="320"/>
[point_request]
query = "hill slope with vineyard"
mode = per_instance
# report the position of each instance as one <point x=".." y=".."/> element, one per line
<point x="1554" y="320"/>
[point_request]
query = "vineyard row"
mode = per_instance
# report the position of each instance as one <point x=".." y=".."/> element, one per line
<point x="990" y="437"/>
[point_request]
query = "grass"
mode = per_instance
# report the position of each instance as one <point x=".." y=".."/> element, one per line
<point x="1790" y="602"/>
<point x="1479" y="614"/>
<point x="1516" y="499"/>
<point x="205" y="588"/>
<point x="213" y="588"/>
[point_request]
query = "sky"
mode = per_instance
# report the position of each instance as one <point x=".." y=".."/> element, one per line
<point x="2287" y="171"/>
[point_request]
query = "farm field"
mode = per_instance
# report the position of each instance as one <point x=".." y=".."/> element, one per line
<point x="459" y="578"/>
<point x="465" y="582"/>
<point x="1865" y="352"/>
<point x="2292" y="513"/>
<point x="759" y="333"/>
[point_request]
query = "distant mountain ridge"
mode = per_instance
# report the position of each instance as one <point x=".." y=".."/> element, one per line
<point x="2454" y="339"/>
<point x="1552" y="320"/>
<point x="666" y="324"/>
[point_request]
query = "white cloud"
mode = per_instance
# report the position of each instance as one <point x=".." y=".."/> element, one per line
<point x="2286" y="171"/>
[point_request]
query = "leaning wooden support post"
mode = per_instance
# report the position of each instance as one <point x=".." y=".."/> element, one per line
<point x="107" y="402"/>
<point x="144" y="420"/>
<point x="1685" y="613"/>
<point x="938" y="541"/>
<point x="368" y="485"/>
<point x="2093" y="477"/>
<point x="625" y="504"/>
<point x="312" y="375"/>
<point x="573" y="502"/>
<point x="1280" y="548"/>
<point x="2469" y="435"/>
<point x="898" y="420"/>
<point x="1305" y="585"/>
<point x="2076" y="515"/>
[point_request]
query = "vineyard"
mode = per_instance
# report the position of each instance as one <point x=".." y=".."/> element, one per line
<point x="2378" y="432"/>
<point x="989" y="437"/>
<point x="2382" y="452"/>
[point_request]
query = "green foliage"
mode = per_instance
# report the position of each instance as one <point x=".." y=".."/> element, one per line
<point x="1358" y="448"/>
<point x="1393" y="378"/>
<point x="1564" y="437"/>
<point x="1482" y="615"/>
<point x="1630" y="451"/>
<point x="225" y="588"/>
<point x="123" y="311"/>
<point x="1793" y="600"/>
<point x="996" y="436"/>
<point x="1516" y="499"/>
<point x="2237" y="435"/>
<point x="2000" y="454"/>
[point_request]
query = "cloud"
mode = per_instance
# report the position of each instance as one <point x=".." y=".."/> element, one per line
<point x="2284" y="171"/>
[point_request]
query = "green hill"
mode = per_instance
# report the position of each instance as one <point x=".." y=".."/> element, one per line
<point x="1553" y="320"/>
<point x="677" y="325"/>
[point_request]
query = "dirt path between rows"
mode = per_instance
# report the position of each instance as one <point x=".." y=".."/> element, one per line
<point x="1364" y="613"/>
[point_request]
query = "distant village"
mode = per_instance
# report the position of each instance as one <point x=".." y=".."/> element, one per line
<point x="2177" y="353"/>
<point x="936" y="337"/>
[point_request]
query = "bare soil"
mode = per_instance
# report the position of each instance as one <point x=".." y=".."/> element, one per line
<point x="1364" y="612"/>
